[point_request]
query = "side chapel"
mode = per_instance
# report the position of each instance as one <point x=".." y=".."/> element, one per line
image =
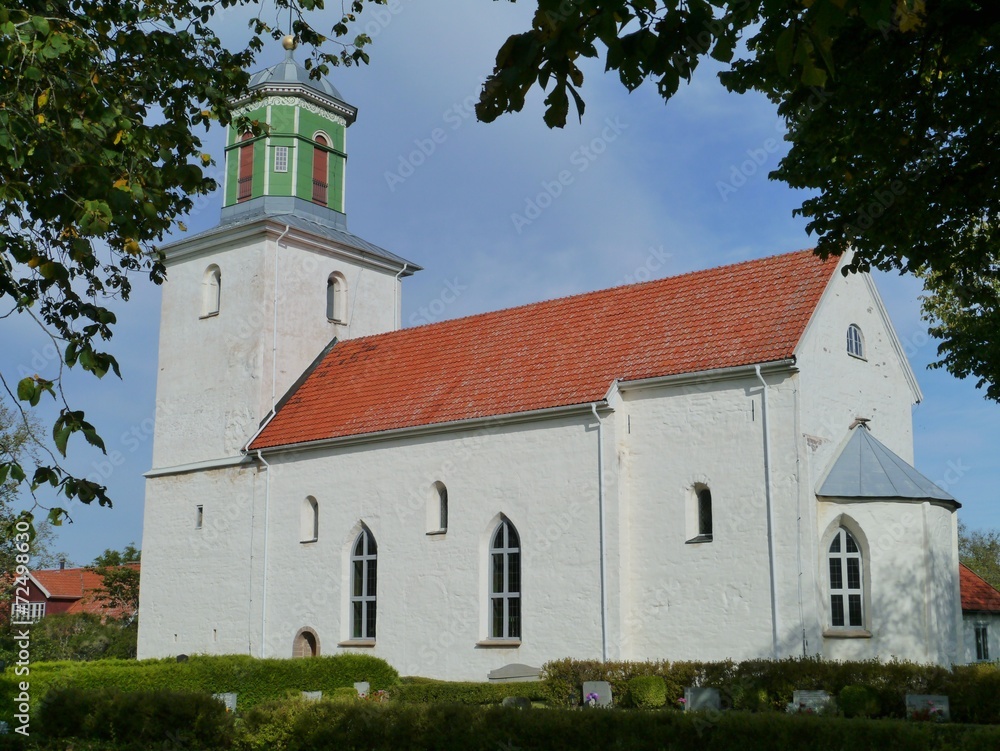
<point x="712" y="465"/>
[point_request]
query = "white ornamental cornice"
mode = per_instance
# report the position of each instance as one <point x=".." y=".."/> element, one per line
<point x="289" y="101"/>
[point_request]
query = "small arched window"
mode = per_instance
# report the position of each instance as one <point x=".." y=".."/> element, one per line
<point x="699" y="523"/>
<point x="321" y="164"/>
<point x="855" y="342"/>
<point x="336" y="299"/>
<point x="364" y="578"/>
<point x="309" y="520"/>
<point x="305" y="644"/>
<point x="245" y="177"/>
<point x="211" y="291"/>
<point x="505" y="582"/>
<point x="846" y="582"/>
<point x="437" y="509"/>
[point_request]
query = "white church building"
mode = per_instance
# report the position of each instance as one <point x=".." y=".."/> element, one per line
<point x="713" y="465"/>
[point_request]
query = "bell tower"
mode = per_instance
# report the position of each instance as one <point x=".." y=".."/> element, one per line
<point x="303" y="153"/>
<point x="251" y="303"/>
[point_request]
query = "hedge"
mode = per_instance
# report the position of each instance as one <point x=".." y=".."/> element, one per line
<point x="296" y="725"/>
<point x="254" y="680"/>
<point x="389" y="727"/>
<point x="447" y="692"/>
<point x="758" y="685"/>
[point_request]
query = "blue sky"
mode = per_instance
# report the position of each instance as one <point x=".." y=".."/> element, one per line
<point x="648" y="190"/>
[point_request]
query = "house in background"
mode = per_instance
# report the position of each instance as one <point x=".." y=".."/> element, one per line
<point x="64" y="590"/>
<point x="980" y="617"/>
<point x="708" y="466"/>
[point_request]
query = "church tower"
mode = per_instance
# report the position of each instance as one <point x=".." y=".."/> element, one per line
<point x="250" y="304"/>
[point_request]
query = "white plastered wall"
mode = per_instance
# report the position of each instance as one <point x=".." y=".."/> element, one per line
<point x="215" y="378"/>
<point x="431" y="588"/>
<point x="911" y="605"/>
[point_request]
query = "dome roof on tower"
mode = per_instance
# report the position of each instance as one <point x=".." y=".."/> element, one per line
<point x="289" y="71"/>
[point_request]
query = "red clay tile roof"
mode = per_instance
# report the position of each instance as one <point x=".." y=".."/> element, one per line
<point x="78" y="584"/>
<point x="977" y="594"/>
<point x="555" y="353"/>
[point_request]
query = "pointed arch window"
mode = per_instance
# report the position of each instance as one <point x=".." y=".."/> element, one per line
<point x="245" y="177"/>
<point x="364" y="576"/>
<point x="321" y="165"/>
<point x="846" y="581"/>
<point x="505" y="582"/>
<point x="211" y="291"/>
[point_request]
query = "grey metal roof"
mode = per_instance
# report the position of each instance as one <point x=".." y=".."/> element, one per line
<point x="288" y="71"/>
<point x="865" y="468"/>
<point x="303" y="216"/>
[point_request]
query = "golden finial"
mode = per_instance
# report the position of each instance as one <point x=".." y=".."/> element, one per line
<point x="288" y="42"/>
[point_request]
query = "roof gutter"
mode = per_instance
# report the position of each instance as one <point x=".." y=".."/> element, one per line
<point x="473" y="423"/>
<point x="716" y="374"/>
<point x="396" y="295"/>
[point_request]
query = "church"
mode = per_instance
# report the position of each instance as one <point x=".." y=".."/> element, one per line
<point x="707" y="466"/>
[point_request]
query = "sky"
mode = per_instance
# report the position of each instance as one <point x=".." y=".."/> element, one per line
<point x="648" y="190"/>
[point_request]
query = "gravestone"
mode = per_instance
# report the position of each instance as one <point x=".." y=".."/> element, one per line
<point x="602" y="689"/>
<point x="699" y="698"/>
<point x="312" y="695"/>
<point x="4" y="728"/>
<point x="809" y="701"/>
<point x="928" y="707"/>
<point x="229" y="699"/>
<point x="517" y="702"/>
<point x="515" y="673"/>
<point x="362" y="688"/>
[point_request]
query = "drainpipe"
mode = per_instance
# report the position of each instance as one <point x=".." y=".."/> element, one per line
<point x="600" y="509"/>
<point x="274" y="326"/>
<point x="263" y="584"/>
<point x="768" y="495"/>
<point x="396" y="323"/>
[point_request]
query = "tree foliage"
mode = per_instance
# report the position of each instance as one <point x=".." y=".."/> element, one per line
<point x="120" y="581"/>
<point x="101" y="106"/>
<point x="887" y="104"/>
<point x="980" y="550"/>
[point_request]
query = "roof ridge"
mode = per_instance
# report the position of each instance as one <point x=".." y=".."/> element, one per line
<point x="581" y="295"/>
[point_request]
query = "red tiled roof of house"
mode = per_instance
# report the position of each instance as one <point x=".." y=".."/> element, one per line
<point x="978" y="595"/>
<point x="555" y="353"/>
<point x="79" y="584"/>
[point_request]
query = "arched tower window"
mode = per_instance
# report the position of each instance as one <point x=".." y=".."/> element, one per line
<point x="309" y="520"/>
<point x="211" y="291"/>
<point x="336" y="298"/>
<point x="364" y="577"/>
<point x="245" y="177"/>
<point x="321" y="173"/>
<point x="855" y="342"/>
<point x="305" y="644"/>
<point x="505" y="582"/>
<point x="846" y="582"/>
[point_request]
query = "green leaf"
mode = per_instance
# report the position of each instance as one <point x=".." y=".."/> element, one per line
<point x="784" y="50"/>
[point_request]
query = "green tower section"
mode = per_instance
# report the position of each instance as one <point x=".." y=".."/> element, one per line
<point x="303" y="155"/>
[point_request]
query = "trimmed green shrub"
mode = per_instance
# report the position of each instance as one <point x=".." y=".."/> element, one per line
<point x="647" y="692"/>
<point x="858" y="701"/>
<point x="191" y="721"/>
<point x="270" y="726"/>
<point x="767" y="685"/>
<point x="345" y="693"/>
<point x="254" y="680"/>
<point x="457" y="692"/>
<point x="326" y="725"/>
